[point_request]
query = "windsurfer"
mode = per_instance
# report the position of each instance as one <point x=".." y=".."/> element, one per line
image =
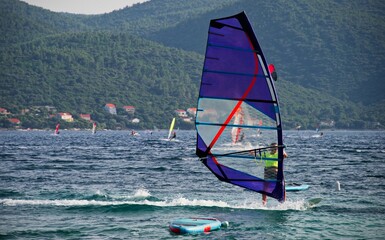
<point x="271" y="166"/>
<point x="173" y="136"/>
<point x="241" y="104"/>
<point x="57" y="128"/>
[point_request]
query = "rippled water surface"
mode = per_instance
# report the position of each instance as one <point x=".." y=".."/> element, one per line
<point x="115" y="186"/>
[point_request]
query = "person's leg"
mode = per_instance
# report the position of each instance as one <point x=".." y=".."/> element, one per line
<point x="264" y="199"/>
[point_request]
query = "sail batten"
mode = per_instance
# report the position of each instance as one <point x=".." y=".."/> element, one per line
<point x="238" y="112"/>
<point x="235" y="125"/>
<point x="236" y="73"/>
<point x="234" y="48"/>
<point x="246" y="99"/>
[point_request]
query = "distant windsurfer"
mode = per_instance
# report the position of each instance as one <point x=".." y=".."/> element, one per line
<point x="57" y="128"/>
<point x="242" y="137"/>
<point x="173" y="136"/>
<point x="259" y="132"/>
<point x="271" y="166"/>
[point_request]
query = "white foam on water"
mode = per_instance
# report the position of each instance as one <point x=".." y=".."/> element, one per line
<point x="99" y="193"/>
<point x="138" y="194"/>
<point x="142" y="193"/>
<point x="179" y="201"/>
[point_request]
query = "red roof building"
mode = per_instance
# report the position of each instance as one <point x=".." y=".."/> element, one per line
<point x="86" y="117"/>
<point x="110" y="108"/>
<point x="14" y="120"/>
<point x="192" y="111"/>
<point x="4" y="111"/>
<point x="129" y="109"/>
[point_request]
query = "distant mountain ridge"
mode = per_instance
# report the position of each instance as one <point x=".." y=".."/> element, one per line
<point x="78" y="62"/>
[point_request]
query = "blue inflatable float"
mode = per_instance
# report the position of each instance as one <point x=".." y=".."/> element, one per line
<point x="195" y="225"/>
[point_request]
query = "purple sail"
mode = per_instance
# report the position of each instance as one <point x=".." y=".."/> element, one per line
<point x="238" y="113"/>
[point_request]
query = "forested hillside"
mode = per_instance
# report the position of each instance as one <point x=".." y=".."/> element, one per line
<point x="155" y="15"/>
<point x="77" y="63"/>
<point x="337" y="47"/>
<point x="81" y="72"/>
<point x="20" y="22"/>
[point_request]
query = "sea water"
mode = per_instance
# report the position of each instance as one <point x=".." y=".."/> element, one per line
<point x="111" y="185"/>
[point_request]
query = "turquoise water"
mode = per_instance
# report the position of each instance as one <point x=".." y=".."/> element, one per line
<point x="114" y="186"/>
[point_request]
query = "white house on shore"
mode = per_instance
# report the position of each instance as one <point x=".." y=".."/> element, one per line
<point x="65" y="116"/>
<point x="181" y="113"/>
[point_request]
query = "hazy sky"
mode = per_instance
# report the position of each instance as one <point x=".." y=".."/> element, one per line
<point x="83" y="6"/>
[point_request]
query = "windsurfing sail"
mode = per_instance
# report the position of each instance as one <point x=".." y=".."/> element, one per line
<point x="171" y="128"/>
<point x="236" y="78"/>
<point x="57" y="128"/>
<point x="93" y="127"/>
